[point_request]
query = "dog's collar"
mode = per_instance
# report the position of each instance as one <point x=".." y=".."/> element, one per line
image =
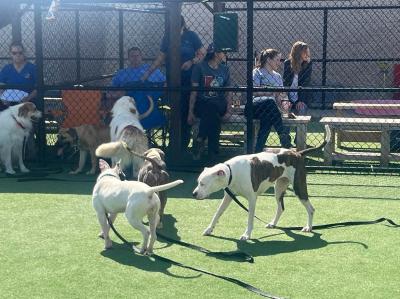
<point x="18" y="123"/>
<point x="230" y="174"/>
<point x="108" y="174"/>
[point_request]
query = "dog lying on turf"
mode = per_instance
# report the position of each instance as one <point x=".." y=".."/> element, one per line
<point x="136" y="199"/>
<point x="251" y="175"/>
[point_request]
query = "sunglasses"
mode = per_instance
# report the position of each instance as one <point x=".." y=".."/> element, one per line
<point x="17" y="53"/>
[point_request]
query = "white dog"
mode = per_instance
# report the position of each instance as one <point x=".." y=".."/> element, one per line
<point x="136" y="199"/>
<point x="15" y="125"/>
<point x="251" y="175"/>
<point x="125" y="127"/>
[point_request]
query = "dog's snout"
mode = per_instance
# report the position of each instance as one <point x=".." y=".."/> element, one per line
<point x="194" y="193"/>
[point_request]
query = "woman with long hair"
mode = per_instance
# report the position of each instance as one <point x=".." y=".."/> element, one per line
<point x="297" y="72"/>
<point x="266" y="104"/>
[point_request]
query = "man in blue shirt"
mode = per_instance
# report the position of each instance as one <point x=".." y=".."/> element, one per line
<point x="21" y="72"/>
<point x="131" y="76"/>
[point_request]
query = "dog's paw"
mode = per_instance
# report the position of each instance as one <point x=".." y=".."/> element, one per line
<point x="108" y="244"/>
<point x="25" y="170"/>
<point x="270" y="225"/>
<point x="91" y="172"/>
<point x="10" y="171"/>
<point x="208" y="231"/>
<point x="148" y="252"/>
<point x="245" y="237"/>
<point x="307" y="229"/>
<point x="74" y="172"/>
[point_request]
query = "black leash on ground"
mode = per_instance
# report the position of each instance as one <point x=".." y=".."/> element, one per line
<point x="167" y="260"/>
<point x="323" y="226"/>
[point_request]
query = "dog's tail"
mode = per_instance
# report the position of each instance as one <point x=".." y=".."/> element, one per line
<point x="110" y="149"/>
<point x="164" y="187"/>
<point x="313" y="149"/>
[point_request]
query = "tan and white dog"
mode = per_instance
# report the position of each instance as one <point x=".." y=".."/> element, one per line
<point x="87" y="138"/>
<point x="136" y="199"/>
<point x="16" y="124"/>
<point x="250" y="175"/>
<point x="125" y="128"/>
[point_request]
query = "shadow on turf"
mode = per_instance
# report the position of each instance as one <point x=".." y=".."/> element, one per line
<point x="299" y="242"/>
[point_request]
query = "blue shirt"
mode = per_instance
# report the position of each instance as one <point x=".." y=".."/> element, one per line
<point x="131" y="77"/>
<point x="130" y="74"/>
<point x="27" y="76"/>
<point x="190" y="43"/>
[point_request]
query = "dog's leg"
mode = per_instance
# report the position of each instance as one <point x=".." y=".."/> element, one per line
<point x="250" y="221"/>
<point x="7" y="152"/>
<point x="111" y="217"/>
<point x="280" y="188"/>
<point x="105" y="228"/>
<point x="22" y="166"/>
<point x="82" y="162"/>
<point x="94" y="162"/>
<point x="310" y="211"/>
<point x="136" y="222"/>
<point x="154" y="219"/>
<point x="163" y="201"/>
<point x="221" y="209"/>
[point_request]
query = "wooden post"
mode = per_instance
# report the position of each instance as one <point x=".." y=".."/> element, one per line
<point x="173" y="19"/>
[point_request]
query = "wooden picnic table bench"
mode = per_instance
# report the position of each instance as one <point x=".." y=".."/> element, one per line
<point x="238" y="123"/>
<point x="366" y="124"/>
<point x="374" y="108"/>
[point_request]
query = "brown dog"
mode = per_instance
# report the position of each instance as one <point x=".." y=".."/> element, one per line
<point x="87" y="138"/>
<point x="154" y="173"/>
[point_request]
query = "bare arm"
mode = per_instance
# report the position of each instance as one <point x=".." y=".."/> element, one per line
<point x="156" y="64"/>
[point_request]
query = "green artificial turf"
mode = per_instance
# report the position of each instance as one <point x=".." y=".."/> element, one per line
<point x="49" y="246"/>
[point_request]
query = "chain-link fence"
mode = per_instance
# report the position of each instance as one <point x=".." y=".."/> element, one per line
<point x="353" y="85"/>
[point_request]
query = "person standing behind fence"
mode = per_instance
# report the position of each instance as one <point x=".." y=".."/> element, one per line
<point x="297" y="72"/>
<point x="266" y="104"/>
<point x="21" y="72"/>
<point x="192" y="53"/>
<point x="209" y="106"/>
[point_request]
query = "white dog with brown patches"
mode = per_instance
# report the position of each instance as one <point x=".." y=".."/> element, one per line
<point x="136" y="199"/>
<point x="16" y="125"/>
<point x="125" y="128"/>
<point x="250" y="175"/>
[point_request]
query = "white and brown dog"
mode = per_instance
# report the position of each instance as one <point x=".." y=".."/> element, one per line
<point x="250" y="175"/>
<point x="16" y="124"/>
<point x="125" y="128"/>
<point x="86" y="138"/>
<point x="154" y="172"/>
<point x="136" y="199"/>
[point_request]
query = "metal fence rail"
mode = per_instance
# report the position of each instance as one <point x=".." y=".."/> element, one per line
<point x="355" y="75"/>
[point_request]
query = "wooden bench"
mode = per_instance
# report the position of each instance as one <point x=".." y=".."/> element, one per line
<point x="347" y="109"/>
<point x="237" y="124"/>
<point x="382" y="125"/>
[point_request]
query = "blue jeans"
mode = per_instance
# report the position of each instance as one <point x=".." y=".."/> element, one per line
<point x="266" y="110"/>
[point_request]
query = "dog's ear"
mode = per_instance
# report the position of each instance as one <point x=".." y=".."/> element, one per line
<point x="103" y="165"/>
<point x="220" y="173"/>
<point x="162" y="154"/>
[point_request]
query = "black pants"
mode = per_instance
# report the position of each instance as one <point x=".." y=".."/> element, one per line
<point x="185" y="100"/>
<point x="210" y="113"/>
<point x="269" y="115"/>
